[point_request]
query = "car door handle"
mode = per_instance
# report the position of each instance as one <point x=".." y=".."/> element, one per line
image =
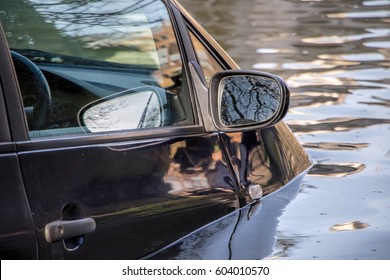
<point x="61" y="230"/>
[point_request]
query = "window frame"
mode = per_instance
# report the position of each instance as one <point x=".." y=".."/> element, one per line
<point x="208" y="41"/>
<point x="198" y="35"/>
<point x="207" y="48"/>
<point x="18" y="122"/>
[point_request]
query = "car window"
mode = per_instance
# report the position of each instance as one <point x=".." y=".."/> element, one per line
<point x="208" y="63"/>
<point x="96" y="66"/>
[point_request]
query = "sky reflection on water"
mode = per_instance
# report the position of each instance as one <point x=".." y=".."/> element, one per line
<point x="335" y="57"/>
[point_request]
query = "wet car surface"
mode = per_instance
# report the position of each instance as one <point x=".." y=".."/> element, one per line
<point x="126" y="129"/>
<point x="335" y="56"/>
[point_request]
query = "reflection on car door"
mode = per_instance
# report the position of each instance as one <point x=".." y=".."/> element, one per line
<point x="143" y="196"/>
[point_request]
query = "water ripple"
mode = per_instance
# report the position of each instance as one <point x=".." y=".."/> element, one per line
<point x="341" y="39"/>
<point x="335" y="146"/>
<point x="333" y="124"/>
<point x="339" y="77"/>
<point x="370" y="14"/>
<point x="378" y="101"/>
<point x="357" y="57"/>
<point x="341" y="169"/>
<point x="349" y="226"/>
<point x="378" y="44"/>
<point x="376" y="3"/>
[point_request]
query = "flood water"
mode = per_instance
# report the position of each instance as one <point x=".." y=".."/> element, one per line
<point x="335" y="56"/>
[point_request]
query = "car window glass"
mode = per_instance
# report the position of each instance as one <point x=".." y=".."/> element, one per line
<point x="96" y="66"/>
<point x="208" y="63"/>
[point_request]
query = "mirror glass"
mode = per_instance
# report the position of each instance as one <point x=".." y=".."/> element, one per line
<point x="246" y="99"/>
<point x="127" y="111"/>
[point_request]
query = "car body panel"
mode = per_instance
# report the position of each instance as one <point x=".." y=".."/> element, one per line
<point x="17" y="234"/>
<point x="142" y="195"/>
<point x="269" y="157"/>
<point x="246" y="234"/>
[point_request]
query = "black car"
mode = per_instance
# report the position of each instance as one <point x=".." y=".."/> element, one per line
<point x="125" y="130"/>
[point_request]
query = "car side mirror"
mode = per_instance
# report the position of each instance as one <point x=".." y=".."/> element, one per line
<point x="131" y="109"/>
<point x="242" y="100"/>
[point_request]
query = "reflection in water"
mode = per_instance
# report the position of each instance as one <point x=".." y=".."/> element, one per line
<point x="335" y="39"/>
<point x="283" y="245"/>
<point x="336" y="169"/>
<point x="371" y="14"/>
<point x="380" y="101"/>
<point x="335" y="57"/>
<point x="316" y="99"/>
<point x="349" y="226"/>
<point x="339" y="77"/>
<point x="330" y="146"/>
<point x="353" y="57"/>
<point x="380" y="44"/>
<point x="333" y="124"/>
<point x="376" y="3"/>
<point x="315" y="79"/>
<point x="316" y="64"/>
<point x="268" y="50"/>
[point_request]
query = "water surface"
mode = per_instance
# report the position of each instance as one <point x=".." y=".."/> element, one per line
<point x="335" y="56"/>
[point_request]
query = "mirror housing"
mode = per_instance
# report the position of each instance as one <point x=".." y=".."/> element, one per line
<point x="244" y="100"/>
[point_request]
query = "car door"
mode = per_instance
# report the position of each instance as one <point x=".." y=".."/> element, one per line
<point x="17" y="234"/>
<point x="100" y="186"/>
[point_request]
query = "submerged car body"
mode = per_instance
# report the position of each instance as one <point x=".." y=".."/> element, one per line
<point x="126" y="132"/>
